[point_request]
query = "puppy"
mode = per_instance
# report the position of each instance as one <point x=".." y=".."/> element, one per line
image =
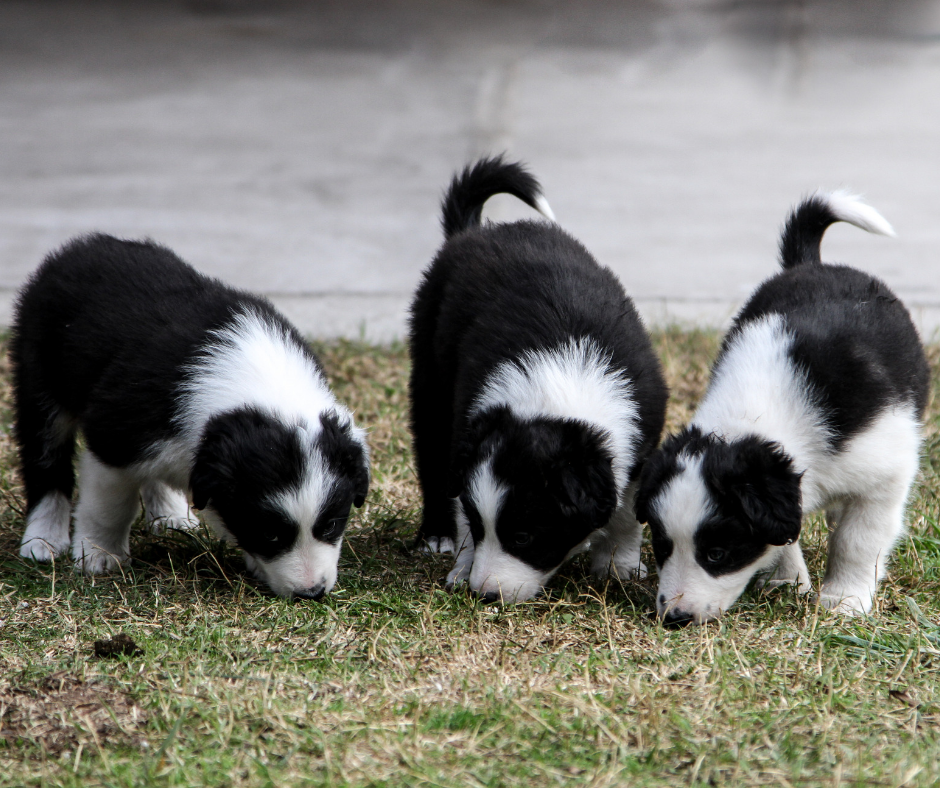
<point x="815" y="401"/>
<point x="535" y="397"/>
<point x="177" y="383"/>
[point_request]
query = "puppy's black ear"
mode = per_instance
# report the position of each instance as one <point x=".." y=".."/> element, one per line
<point x="756" y="479"/>
<point x="481" y="430"/>
<point x="347" y="454"/>
<point x="243" y="455"/>
<point x="585" y="484"/>
<point x="213" y="471"/>
<point x="201" y="497"/>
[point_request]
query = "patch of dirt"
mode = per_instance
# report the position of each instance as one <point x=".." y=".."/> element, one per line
<point x="63" y="709"/>
<point x="119" y="645"/>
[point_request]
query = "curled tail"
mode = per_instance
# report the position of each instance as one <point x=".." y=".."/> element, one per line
<point x="804" y="230"/>
<point x="463" y="204"/>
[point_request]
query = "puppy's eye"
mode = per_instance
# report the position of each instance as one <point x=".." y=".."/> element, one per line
<point x="523" y="539"/>
<point x="331" y="527"/>
<point x="716" y="555"/>
<point x="272" y="538"/>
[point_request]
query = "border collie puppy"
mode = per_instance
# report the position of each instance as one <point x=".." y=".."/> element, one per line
<point x="178" y="383"/>
<point x="535" y="397"/>
<point x="815" y="401"/>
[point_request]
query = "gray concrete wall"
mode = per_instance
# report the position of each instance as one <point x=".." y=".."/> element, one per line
<point x="300" y="148"/>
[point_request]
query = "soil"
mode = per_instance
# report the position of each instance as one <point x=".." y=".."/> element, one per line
<point x="63" y="709"/>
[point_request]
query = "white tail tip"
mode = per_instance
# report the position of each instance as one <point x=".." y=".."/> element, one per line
<point x="851" y="208"/>
<point x="542" y="206"/>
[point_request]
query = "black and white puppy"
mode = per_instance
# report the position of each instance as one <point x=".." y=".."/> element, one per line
<point x="178" y="383"/>
<point x="535" y="397"/>
<point x="815" y="401"/>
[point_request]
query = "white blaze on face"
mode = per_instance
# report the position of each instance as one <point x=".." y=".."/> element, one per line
<point x="309" y="563"/>
<point x="685" y="587"/>
<point x="494" y="570"/>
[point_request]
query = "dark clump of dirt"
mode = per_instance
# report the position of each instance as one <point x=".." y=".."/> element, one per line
<point x="119" y="645"/>
<point x="64" y="709"/>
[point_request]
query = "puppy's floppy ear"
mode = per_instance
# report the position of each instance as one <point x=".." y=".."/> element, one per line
<point x="480" y="432"/>
<point x="243" y="455"/>
<point x="755" y="478"/>
<point x="214" y="468"/>
<point x="347" y="454"/>
<point x="201" y="494"/>
<point x="584" y="485"/>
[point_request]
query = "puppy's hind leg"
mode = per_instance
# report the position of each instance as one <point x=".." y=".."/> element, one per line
<point x="615" y="550"/>
<point x="859" y="548"/>
<point x="46" y="440"/>
<point x="166" y="508"/>
<point x="431" y="418"/>
<point x="108" y="503"/>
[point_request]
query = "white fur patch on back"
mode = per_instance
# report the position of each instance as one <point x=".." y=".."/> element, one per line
<point x="248" y="363"/>
<point x="852" y="209"/>
<point x="252" y="362"/>
<point x="572" y="381"/>
<point x="757" y="390"/>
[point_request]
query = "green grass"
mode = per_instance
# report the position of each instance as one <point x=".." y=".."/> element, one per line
<point x="392" y="681"/>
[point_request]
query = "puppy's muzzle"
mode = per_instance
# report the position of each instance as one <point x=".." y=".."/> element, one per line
<point x="315" y="593"/>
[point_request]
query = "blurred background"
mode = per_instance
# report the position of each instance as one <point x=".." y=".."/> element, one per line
<point x="300" y="149"/>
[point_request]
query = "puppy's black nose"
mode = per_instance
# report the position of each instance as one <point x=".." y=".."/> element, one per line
<point x="315" y="593"/>
<point x="488" y="598"/>
<point x="677" y="618"/>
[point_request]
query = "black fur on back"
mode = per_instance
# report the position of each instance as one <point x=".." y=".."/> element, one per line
<point x="103" y="332"/>
<point x="491" y="294"/>
<point x="853" y="338"/>
<point x="462" y="207"/>
<point x="803" y="232"/>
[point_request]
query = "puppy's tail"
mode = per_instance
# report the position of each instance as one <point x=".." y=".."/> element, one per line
<point x="804" y="230"/>
<point x="462" y="207"/>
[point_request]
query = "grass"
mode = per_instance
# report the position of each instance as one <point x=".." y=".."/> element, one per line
<point x="392" y="681"/>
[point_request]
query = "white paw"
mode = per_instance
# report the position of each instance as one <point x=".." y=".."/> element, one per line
<point x="167" y="509"/>
<point x="459" y="574"/>
<point x="39" y="549"/>
<point x="47" y="529"/>
<point x="844" y="603"/>
<point x="170" y="523"/>
<point x="615" y="570"/>
<point x="438" y="544"/>
<point x="769" y="582"/>
<point x="93" y="561"/>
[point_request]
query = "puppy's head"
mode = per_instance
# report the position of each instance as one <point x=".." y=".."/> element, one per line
<point x="531" y="491"/>
<point x="719" y="512"/>
<point x="282" y="492"/>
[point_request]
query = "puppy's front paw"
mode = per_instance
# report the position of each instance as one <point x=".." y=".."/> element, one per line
<point x="94" y="561"/>
<point x="770" y="582"/>
<point x="619" y="570"/>
<point x="174" y="523"/>
<point x="846" y="603"/>
<point x="437" y="544"/>
<point x="459" y="574"/>
<point x="40" y="549"/>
